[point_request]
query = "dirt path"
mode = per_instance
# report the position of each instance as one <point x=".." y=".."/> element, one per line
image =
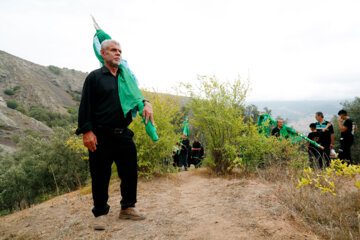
<point x="188" y="205"/>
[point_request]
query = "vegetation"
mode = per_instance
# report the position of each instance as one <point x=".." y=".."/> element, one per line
<point x="54" y="69"/>
<point x="12" y="104"/>
<point x="230" y="132"/>
<point x="41" y="167"/>
<point x="9" y="92"/>
<point x="153" y="157"/>
<point x="53" y="119"/>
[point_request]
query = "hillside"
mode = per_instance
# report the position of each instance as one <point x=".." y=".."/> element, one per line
<point x="188" y="205"/>
<point x="49" y="87"/>
<point x="30" y="84"/>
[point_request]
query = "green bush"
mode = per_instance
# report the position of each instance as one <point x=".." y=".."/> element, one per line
<point x="229" y="130"/>
<point x="12" y="104"/>
<point x="152" y="155"/>
<point x="53" y="119"/>
<point x="55" y="70"/>
<point x="16" y="88"/>
<point x="217" y="113"/>
<point x="21" y="109"/>
<point x="9" y="92"/>
<point x="40" y="167"/>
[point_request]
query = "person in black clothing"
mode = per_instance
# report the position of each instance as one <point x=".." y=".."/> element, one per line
<point x="106" y="135"/>
<point x="276" y="131"/>
<point x="184" y="151"/>
<point x="197" y="151"/>
<point x="326" y="138"/>
<point x="314" y="152"/>
<point x="347" y="137"/>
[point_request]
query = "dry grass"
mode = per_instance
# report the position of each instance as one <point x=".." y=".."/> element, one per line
<point x="328" y="216"/>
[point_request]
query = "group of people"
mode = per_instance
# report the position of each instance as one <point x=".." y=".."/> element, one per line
<point x="184" y="155"/>
<point x="322" y="132"/>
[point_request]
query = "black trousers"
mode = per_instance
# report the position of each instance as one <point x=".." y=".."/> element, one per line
<point x="345" y="149"/>
<point x="118" y="148"/>
<point x="324" y="160"/>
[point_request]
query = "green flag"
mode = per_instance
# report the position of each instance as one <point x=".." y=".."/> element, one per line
<point x="131" y="98"/>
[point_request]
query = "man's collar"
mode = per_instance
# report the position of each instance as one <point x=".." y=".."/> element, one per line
<point x="104" y="69"/>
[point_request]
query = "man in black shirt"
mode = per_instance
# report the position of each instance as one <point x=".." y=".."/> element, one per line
<point x="184" y="153"/>
<point x="276" y="131"/>
<point x="314" y="152"/>
<point x="326" y="138"/>
<point x="347" y="137"/>
<point x="196" y="153"/>
<point x="105" y="134"/>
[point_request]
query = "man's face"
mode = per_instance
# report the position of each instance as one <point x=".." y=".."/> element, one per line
<point x="112" y="55"/>
<point x="280" y="123"/>
<point x="342" y="116"/>
<point x="195" y="140"/>
<point x="318" y="118"/>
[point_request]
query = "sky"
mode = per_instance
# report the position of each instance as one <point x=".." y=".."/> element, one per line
<point x="288" y="50"/>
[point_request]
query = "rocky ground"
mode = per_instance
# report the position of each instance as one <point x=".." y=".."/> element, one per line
<point x="187" y="205"/>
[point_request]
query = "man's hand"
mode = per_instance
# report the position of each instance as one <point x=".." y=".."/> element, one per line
<point x="332" y="146"/>
<point x="90" y="140"/>
<point x="148" y="113"/>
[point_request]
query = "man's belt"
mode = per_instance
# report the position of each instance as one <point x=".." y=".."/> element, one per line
<point x="110" y="130"/>
<point x="118" y="130"/>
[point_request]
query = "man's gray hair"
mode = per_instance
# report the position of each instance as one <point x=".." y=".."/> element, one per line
<point x="105" y="43"/>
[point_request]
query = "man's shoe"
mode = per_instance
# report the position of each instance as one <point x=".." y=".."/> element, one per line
<point x="99" y="223"/>
<point x="131" y="213"/>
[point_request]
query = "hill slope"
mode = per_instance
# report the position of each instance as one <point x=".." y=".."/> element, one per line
<point x="49" y="87"/>
<point x="188" y="205"/>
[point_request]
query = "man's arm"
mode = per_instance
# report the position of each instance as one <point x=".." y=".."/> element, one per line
<point x="85" y="117"/>
<point x="341" y="127"/>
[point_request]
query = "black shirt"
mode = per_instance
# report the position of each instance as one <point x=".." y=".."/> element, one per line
<point x="275" y="132"/>
<point x="196" y="145"/>
<point x="348" y="123"/>
<point x="325" y="137"/>
<point x="315" y="136"/>
<point x="185" y="147"/>
<point x="100" y="103"/>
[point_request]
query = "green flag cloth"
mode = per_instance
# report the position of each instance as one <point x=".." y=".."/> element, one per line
<point x="266" y="122"/>
<point x="131" y="98"/>
<point x="185" y="128"/>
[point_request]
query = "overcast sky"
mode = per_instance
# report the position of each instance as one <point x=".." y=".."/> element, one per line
<point x="290" y="50"/>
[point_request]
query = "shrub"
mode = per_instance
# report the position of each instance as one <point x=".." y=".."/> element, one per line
<point x="9" y="92"/>
<point x="16" y="88"/>
<point x="21" y="109"/>
<point x="12" y="104"/>
<point x="217" y="112"/>
<point x="40" y="167"/>
<point x="55" y="70"/>
<point x="328" y="200"/>
<point x="53" y="119"/>
<point x="153" y="155"/>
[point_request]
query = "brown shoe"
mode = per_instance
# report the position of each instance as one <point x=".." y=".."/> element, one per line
<point x="131" y="213"/>
<point x="99" y="223"/>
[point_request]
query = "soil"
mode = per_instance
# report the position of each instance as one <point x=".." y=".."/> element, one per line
<point x="190" y="205"/>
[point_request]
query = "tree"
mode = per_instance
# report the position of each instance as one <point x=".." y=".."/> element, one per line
<point x="217" y="110"/>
